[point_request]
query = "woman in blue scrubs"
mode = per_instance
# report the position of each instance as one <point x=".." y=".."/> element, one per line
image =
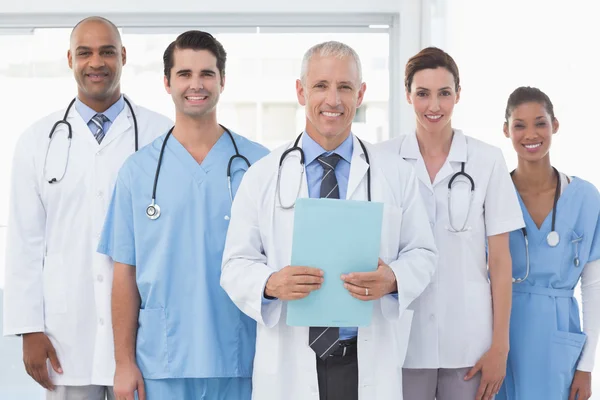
<point x="550" y="357"/>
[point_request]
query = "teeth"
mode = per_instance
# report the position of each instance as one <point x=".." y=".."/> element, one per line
<point x="196" y="98"/>
<point x="532" y="146"/>
<point x="434" y="116"/>
<point x="330" y="114"/>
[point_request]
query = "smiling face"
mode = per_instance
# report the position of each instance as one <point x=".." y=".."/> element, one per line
<point x="433" y="96"/>
<point x="96" y="57"/>
<point x="195" y="83"/>
<point x="530" y="128"/>
<point x="330" y="94"/>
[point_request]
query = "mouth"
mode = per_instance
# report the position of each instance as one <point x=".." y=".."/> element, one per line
<point x="97" y="77"/>
<point x="196" y="99"/>
<point x="532" y="147"/>
<point x="330" y="114"/>
<point x="433" y="117"/>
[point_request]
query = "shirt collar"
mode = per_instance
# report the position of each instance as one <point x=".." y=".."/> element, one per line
<point x="312" y="149"/>
<point x="111" y="113"/>
<point x="458" y="147"/>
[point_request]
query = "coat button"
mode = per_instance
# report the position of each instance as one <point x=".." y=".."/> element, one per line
<point x="100" y="278"/>
<point x="101" y="321"/>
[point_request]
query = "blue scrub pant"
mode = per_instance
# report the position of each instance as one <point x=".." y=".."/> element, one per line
<point x="198" y="389"/>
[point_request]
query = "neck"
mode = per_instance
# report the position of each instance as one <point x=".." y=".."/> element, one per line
<point x="536" y="175"/>
<point x="327" y="143"/>
<point x="195" y="133"/>
<point x="99" y="105"/>
<point x="434" y="144"/>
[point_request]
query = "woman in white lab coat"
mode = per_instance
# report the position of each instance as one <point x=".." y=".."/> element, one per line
<point x="459" y="342"/>
<point x="57" y="288"/>
<point x="259" y="246"/>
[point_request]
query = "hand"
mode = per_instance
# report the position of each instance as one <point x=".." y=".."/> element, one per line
<point x="371" y="285"/>
<point x="581" y="388"/>
<point x="37" y="348"/>
<point x="293" y="283"/>
<point x="128" y="379"/>
<point x="493" y="370"/>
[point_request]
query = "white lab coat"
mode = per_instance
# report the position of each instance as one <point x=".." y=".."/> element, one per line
<point x="55" y="281"/>
<point x="452" y="326"/>
<point x="259" y="242"/>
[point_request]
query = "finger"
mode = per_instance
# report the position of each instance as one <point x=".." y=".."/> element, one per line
<point x="306" y="271"/>
<point x="363" y="298"/>
<point x="307" y="279"/>
<point x="54" y="360"/>
<point x="481" y="391"/>
<point x="305" y="288"/>
<point x="141" y="390"/>
<point x="497" y="387"/>
<point x="573" y="393"/>
<point x="354" y="277"/>
<point x="489" y="392"/>
<point x="473" y="371"/>
<point x="41" y="376"/>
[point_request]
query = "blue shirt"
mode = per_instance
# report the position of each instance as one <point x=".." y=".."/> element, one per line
<point x="187" y="325"/>
<point x="111" y="113"/>
<point x="314" y="174"/>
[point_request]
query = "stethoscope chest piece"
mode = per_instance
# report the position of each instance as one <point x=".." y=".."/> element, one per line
<point x="153" y="211"/>
<point x="553" y="239"/>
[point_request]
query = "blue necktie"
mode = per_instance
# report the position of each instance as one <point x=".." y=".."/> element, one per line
<point x="99" y="120"/>
<point x="322" y="339"/>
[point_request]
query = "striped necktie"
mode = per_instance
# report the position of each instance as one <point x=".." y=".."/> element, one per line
<point x="99" y="120"/>
<point x="323" y="340"/>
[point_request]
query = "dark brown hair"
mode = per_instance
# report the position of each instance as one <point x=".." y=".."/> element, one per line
<point x="528" y="94"/>
<point x="430" y="58"/>
<point x="195" y="40"/>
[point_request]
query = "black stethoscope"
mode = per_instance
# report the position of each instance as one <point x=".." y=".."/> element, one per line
<point x="462" y="172"/>
<point x="553" y="238"/>
<point x="153" y="210"/>
<point x="70" y="136"/>
<point x="302" y="160"/>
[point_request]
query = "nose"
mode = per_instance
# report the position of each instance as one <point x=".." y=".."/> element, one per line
<point x="434" y="104"/>
<point x="333" y="97"/>
<point x="196" y="83"/>
<point x="97" y="61"/>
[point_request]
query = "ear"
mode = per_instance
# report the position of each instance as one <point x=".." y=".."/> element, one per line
<point x="70" y="59"/>
<point x="457" y="95"/>
<point x="408" y="96"/>
<point x="123" y="55"/>
<point x="505" y="129"/>
<point x="361" y="94"/>
<point x="167" y="86"/>
<point x="300" y="92"/>
<point x="555" y="126"/>
<point x="222" y="84"/>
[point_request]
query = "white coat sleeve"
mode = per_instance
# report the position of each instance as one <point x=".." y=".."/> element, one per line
<point x="23" y="289"/>
<point x="590" y="293"/>
<point x="502" y="211"/>
<point x="244" y="272"/>
<point x="417" y="259"/>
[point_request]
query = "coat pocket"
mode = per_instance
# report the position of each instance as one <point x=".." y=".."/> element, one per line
<point x="151" y="351"/>
<point x="566" y="348"/>
<point x="54" y="284"/>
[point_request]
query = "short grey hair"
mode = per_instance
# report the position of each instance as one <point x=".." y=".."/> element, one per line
<point x="329" y="49"/>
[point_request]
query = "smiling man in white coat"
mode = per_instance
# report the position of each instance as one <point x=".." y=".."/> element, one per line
<point x="57" y="288"/>
<point x="302" y="363"/>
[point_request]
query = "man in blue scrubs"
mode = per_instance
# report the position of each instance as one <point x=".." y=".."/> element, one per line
<point x="177" y="334"/>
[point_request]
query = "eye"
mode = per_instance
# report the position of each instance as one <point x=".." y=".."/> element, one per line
<point x="519" y="126"/>
<point x="421" y="94"/>
<point x="346" y="87"/>
<point x="541" y="124"/>
<point x="109" y="52"/>
<point x="320" y="85"/>
<point x="446" y="93"/>
<point x="83" y="53"/>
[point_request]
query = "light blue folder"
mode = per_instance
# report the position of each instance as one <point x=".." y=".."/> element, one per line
<point x="339" y="237"/>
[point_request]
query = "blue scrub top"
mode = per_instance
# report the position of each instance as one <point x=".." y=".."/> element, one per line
<point x="545" y="334"/>
<point x="188" y="326"/>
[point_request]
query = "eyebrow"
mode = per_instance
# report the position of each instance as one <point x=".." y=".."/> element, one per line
<point x="189" y="71"/>
<point x="521" y="120"/>
<point x="105" y="47"/>
<point x="444" y="88"/>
